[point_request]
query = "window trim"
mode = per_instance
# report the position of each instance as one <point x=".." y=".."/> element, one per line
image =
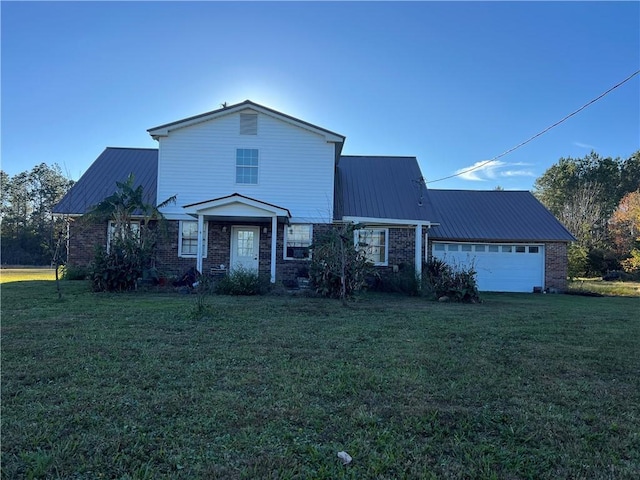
<point x="356" y="241"/>
<point x="205" y="240"/>
<point x="285" y="239"/>
<point x="257" y="167"/>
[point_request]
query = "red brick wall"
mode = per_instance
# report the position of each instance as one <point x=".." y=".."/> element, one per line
<point x="84" y="236"/>
<point x="555" y="265"/>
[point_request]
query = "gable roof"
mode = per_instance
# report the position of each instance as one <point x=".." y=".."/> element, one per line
<point x="495" y="215"/>
<point x="380" y="187"/>
<point x="99" y="181"/>
<point x="163" y="130"/>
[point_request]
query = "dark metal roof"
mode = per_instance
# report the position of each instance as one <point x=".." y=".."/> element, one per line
<point x="495" y="215"/>
<point x="380" y="187"/>
<point x="99" y="181"/>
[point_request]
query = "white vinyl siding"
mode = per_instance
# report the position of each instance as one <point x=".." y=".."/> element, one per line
<point x="500" y="268"/>
<point x="188" y="239"/>
<point x="297" y="240"/>
<point x="374" y="243"/>
<point x="296" y="166"/>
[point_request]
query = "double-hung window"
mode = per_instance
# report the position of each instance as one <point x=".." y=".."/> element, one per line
<point x="373" y="243"/>
<point x="247" y="166"/>
<point x="188" y="239"/>
<point x="114" y="231"/>
<point x="297" y="240"/>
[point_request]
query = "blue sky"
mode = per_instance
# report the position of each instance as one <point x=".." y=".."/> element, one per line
<point x="451" y="83"/>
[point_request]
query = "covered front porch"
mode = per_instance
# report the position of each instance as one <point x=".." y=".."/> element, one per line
<point x="242" y="224"/>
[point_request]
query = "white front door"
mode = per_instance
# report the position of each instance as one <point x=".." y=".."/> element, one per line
<point x="244" y="247"/>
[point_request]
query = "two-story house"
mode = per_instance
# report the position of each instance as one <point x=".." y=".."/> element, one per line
<point x="255" y="187"/>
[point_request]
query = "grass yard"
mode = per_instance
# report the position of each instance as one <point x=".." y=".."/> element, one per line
<point x="135" y="386"/>
<point x="597" y="285"/>
<point x="26" y="274"/>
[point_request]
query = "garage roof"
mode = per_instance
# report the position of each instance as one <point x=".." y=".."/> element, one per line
<point x="494" y="215"/>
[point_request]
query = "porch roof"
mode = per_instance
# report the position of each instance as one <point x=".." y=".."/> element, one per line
<point x="237" y="207"/>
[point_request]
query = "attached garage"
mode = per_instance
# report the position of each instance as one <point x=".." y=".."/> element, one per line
<point x="514" y="242"/>
<point x="508" y="267"/>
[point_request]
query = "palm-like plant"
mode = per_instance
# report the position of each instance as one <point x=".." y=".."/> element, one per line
<point x="131" y="250"/>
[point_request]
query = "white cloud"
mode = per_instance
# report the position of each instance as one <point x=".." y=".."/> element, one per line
<point x="479" y="171"/>
<point x="585" y="145"/>
<point x="484" y="171"/>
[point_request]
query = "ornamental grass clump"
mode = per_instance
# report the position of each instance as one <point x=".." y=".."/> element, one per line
<point x="456" y="283"/>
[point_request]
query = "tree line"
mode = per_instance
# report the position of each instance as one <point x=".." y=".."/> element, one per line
<point x="598" y="200"/>
<point x="29" y="231"/>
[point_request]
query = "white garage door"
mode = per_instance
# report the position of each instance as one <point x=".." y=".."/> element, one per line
<point x="501" y="268"/>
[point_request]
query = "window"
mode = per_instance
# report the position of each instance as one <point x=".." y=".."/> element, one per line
<point x="373" y="242"/>
<point x="453" y="247"/>
<point x="481" y="248"/>
<point x="438" y="247"/>
<point x="247" y="166"/>
<point x="533" y="249"/>
<point x="297" y="240"/>
<point x="248" y="124"/>
<point x="133" y="226"/>
<point x="521" y="249"/>
<point x="188" y="239"/>
<point x="466" y="247"/>
<point x="506" y="249"/>
<point x="493" y="248"/>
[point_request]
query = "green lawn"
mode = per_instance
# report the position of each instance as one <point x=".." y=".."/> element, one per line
<point x="136" y="386"/>
<point x="26" y="274"/>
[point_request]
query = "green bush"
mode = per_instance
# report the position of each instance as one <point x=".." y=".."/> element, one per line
<point x="242" y="281"/>
<point x="338" y="269"/>
<point x="73" y="272"/>
<point x="403" y="281"/>
<point x="119" y="269"/>
<point x="456" y="283"/>
<point x="578" y="261"/>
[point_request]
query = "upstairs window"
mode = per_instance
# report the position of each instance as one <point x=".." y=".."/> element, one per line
<point x="373" y="242"/>
<point x="248" y="124"/>
<point x="188" y="239"/>
<point x="297" y="240"/>
<point x="247" y="166"/>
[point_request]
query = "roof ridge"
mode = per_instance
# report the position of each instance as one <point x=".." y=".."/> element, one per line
<point x="131" y="148"/>
<point x="379" y="156"/>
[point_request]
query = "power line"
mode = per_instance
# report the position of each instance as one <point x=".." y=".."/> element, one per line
<point x="486" y="162"/>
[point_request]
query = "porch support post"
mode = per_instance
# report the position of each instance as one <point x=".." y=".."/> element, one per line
<point x="274" y="238"/>
<point x="200" y="237"/>
<point x="418" y="252"/>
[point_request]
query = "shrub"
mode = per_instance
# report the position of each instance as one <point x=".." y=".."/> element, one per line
<point x="577" y="258"/>
<point x="457" y="283"/>
<point x="337" y="269"/>
<point x="119" y="269"/>
<point x="73" y="272"/>
<point x="631" y="265"/>
<point x="403" y="281"/>
<point x="242" y="281"/>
